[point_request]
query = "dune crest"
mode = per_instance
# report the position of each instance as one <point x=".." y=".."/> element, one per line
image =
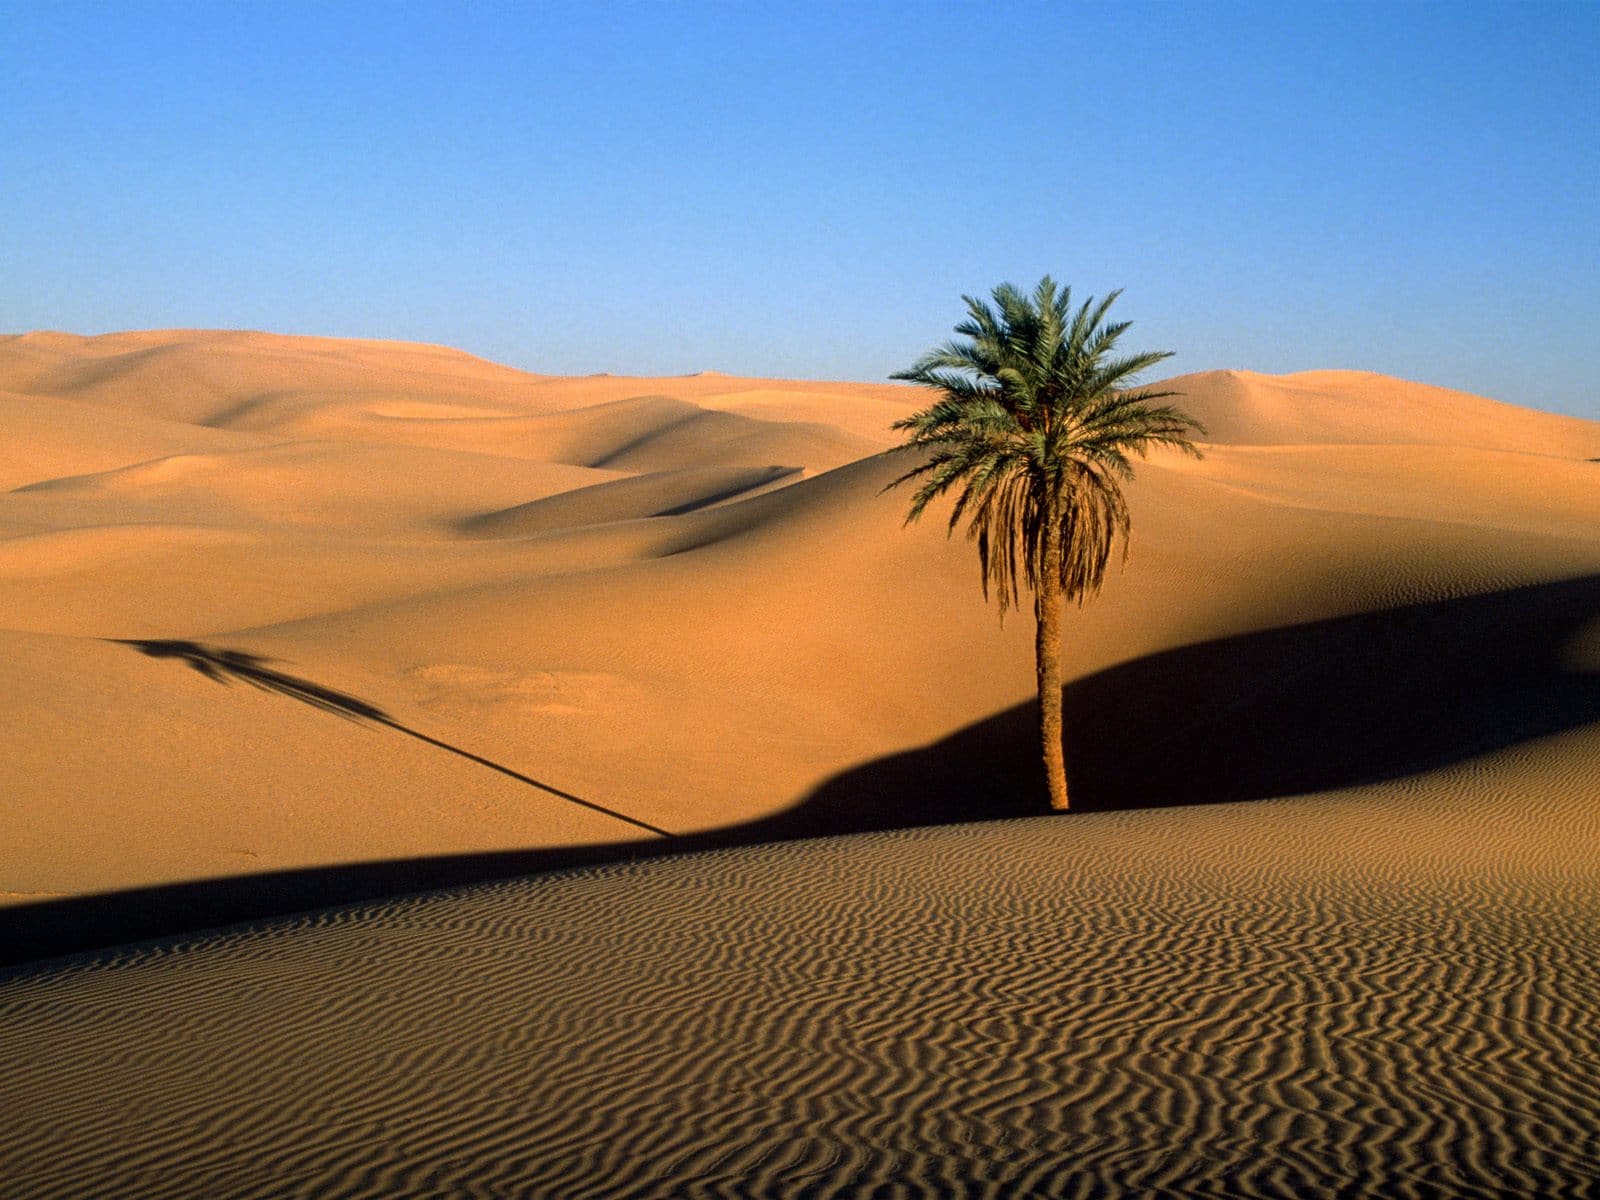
<point x="1363" y="408"/>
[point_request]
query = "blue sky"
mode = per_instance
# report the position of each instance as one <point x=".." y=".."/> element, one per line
<point x="807" y="190"/>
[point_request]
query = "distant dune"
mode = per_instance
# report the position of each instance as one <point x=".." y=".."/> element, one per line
<point x="295" y="621"/>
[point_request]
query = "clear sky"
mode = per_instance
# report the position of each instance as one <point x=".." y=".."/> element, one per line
<point x="807" y="190"/>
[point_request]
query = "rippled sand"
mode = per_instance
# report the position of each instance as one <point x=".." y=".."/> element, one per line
<point x="1393" y="994"/>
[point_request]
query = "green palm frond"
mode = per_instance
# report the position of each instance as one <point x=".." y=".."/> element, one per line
<point x="1036" y="423"/>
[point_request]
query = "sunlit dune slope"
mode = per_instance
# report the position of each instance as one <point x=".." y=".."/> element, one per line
<point x="1336" y="407"/>
<point x="689" y="601"/>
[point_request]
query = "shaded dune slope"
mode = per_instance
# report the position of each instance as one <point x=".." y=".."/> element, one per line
<point x="660" y="494"/>
<point x="1334" y="704"/>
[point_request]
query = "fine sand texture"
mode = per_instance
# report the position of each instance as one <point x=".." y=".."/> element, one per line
<point x="1392" y="993"/>
<point x="296" y="624"/>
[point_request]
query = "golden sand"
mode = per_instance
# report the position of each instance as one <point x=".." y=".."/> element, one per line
<point x="272" y="605"/>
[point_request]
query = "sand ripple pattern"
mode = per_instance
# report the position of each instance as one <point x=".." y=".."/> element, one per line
<point x="1384" y="995"/>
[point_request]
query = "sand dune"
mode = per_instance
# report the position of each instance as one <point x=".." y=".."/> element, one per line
<point x="656" y="494"/>
<point x="49" y="436"/>
<point x="290" y="621"/>
<point x="708" y="574"/>
<point x="198" y="377"/>
<point x="321" y="485"/>
<point x="1345" y="407"/>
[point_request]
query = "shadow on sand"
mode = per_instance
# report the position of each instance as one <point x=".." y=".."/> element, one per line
<point x="227" y="666"/>
<point x="1329" y="704"/>
<point x="1336" y="703"/>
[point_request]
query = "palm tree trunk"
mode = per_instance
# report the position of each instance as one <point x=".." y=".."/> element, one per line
<point x="1047" y="654"/>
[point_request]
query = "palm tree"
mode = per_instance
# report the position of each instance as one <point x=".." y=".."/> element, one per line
<point x="1033" y="428"/>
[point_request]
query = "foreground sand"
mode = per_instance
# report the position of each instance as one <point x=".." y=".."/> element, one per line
<point x="1394" y="993"/>
<point x="289" y="622"/>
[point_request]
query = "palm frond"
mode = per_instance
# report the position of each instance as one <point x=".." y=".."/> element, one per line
<point x="1034" y="429"/>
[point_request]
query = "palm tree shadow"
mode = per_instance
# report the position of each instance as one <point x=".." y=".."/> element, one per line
<point x="224" y="666"/>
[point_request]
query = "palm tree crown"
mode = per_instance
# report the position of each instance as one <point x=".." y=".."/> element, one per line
<point x="1035" y="422"/>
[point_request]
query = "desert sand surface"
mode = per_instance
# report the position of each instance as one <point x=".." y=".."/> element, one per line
<point x="290" y="622"/>
<point x="1392" y="992"/>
